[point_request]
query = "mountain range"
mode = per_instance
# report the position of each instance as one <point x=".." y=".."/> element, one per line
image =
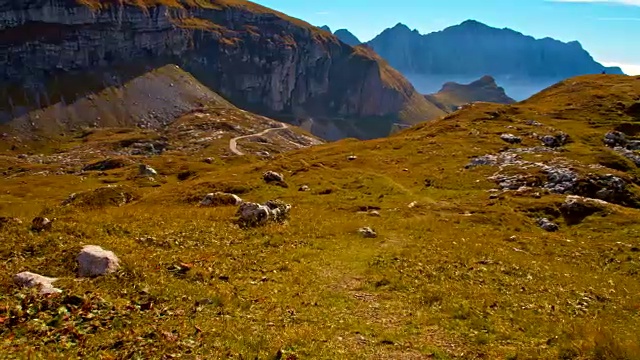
<point x="259" y="59"/>
<point x="522" y="64"/>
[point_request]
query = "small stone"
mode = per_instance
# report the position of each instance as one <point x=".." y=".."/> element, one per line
<point x="367" y="233"/>
<point x="41" y="224"/>
<point x="272" y="176"/>
<point x="304" y="188"/>
<point x="511" y="139"/>
<point x="548" y="225"/>
<point x="95" y="261"/>
<point x="374" y="213"/>
<point x="208" y="160"/>
<point x="413" y="204"/>
<point x="146" y="171"/>
<point x="352" y="157"/>
<point x="29" y="279"/>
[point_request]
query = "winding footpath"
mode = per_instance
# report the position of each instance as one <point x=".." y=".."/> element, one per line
<point x="233" y="143"/>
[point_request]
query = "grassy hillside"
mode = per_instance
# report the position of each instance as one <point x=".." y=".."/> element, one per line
<point x="457" y="271"/>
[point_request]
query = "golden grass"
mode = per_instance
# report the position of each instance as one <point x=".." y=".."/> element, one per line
<point x="458" y="275"/>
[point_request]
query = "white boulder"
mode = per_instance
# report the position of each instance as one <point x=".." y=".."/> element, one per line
<point x="146" y="170"/>
<point x="220" y="198"/>
<point x="95" y="261"/>
<point x="29" y="279"/>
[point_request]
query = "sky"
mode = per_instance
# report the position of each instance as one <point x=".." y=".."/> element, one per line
<point x="608" y="29"/>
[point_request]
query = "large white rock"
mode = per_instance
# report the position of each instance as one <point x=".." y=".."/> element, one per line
<point x="253" y="214"/>
<point x="29" y="279"/>
<point x="220" y="198"/>
<point x="95" y="261"/>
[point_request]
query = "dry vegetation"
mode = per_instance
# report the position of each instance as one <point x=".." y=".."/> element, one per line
<point x="459" y="275"/>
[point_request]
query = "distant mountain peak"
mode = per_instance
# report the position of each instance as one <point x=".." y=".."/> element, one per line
<point x="347" y="37"/>
<point x="453" y="95"/>
<point x="325" y="28"/>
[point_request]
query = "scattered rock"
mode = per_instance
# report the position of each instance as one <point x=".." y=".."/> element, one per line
<point x="511" y="139"/>
<point x="71" y="198"/>
<point x="615" y="138"/>
<point x="533" y="123"/>
<point x="208" y="160"/>
<point x="95" y="261"/>
<point x="374" y="213"/>
<point x="633" y="145"/>
<point x="555" y="141"/>
<point x="29" y="279"/>
<point x="146" y="171"/>
<point x="548" y="225"/>
<point x="253" y="214"/>
<point x="304" y="188"/>
<point x="111" y="195"/>
<point x="40" y="223"/>
<point x="9" y="221"/>
<point x="412" y="204"/>
<point x="104" y="165"/>
<point x="220" y="198"/>
<point x="272" y="176"/>
<point x="367" y="233"/>
<point x="629" y="154"/>
<point x="577" y="208"/>
<point x="352" y="157"/>
<point x="264" y="154"/>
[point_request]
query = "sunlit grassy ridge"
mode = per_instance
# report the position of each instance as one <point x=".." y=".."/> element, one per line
<point x="456" y="275"/>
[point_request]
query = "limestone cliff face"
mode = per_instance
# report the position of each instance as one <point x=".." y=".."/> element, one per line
<point x="257" y="58"/>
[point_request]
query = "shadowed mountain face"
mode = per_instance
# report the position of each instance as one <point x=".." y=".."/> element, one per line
<point x="257" y="58"/>
<point x="454" y="95"/>
<point x="347" y="37"/>
<point x="467" y="51"/>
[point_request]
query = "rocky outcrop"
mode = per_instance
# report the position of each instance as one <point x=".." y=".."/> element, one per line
<point x="261" y="60"/>
<point x="453" y="95"/>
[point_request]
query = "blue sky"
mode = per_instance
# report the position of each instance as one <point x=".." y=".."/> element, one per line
<point x="608" y="29"/>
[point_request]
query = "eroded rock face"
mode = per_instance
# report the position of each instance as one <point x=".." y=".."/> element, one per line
<point x="96" y="261"/>
<point x="260" y="60"/>
<point x="29" y="279"/>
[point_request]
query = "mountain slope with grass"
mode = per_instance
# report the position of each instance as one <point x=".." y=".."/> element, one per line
<point x="498" y="231"/>
<point x="257" y="58"/>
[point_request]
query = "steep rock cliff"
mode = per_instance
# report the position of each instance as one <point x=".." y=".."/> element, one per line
<point x="257" y="58"/>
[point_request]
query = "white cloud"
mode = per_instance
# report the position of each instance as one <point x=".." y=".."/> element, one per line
<point x="620" y="2"/>
<point x="323" y="13"/>
<point x="629" y="69"/>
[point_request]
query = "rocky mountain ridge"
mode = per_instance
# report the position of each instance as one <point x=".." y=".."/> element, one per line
<point x="473" y="48"/>
<point x="453" y="95"/>
<point x="259" y="59"/>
